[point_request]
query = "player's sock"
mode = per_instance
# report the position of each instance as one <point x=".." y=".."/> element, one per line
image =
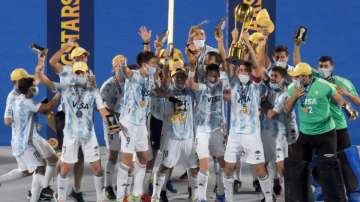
<point x="109" y="172"/>
<point x="122" y="181"/>
<point x="266" y="187"/>
<point x="12" y="175"/>
<point x="49" y="174"/>
<point x="36" y="187"/>
<point x="139" y="174"/>
<point x="193" y="186"/>
<point x="159" y="181"/>
<point x="219" y="182"/>
<point x="130" y="183"/>
<point x="167" y="176"/>
<point x="62" y="187"/>
<point x="228" y="187"/>
<point x="238" y="169"/>
<point x="202" y="181"/>
<point x="99" y="184"/>
<point x="147" y="181"/>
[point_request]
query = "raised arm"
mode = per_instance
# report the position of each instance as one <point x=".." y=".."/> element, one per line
<point x="262" y="54"/>
<point x="55" y="59"/>
<point x="296" y="53"/>
<point x="192" y="83"/>
<point x="258" y="69"/>
<point x="145" y="35"/>
<point x="219" y="36"/>
<point x="46" y="107"/>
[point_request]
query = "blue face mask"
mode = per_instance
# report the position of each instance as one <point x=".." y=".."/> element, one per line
<point x="151" y="70"/>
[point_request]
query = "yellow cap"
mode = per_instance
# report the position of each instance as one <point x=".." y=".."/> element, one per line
<point x="79" y="66"/>
<point x="178" y="70"/>
<point x="263" y="19"/>
<point x="19" y="73"/>
<point x="78" y="51"/>
<point x="301" y="69"/>
<point x="255" y="37"/>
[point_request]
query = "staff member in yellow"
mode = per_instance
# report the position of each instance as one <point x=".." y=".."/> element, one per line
<point x="317" y="134"/>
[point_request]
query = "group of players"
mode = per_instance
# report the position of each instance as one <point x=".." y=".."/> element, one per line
<point x="215" y="107"/>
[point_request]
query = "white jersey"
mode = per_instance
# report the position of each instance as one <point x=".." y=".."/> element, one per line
<point x="9" y="102"/>
<point x="79" y="104"/>
<point x="210" y="114"/>
<point x="178" y="117"/>
<point x="112" y="93"/>
<point x="245" y="108"/>
<point x="24" y="123"/>
<point x="137" y="98"/>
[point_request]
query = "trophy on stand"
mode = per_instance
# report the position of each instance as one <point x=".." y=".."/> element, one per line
<point x="243" y="13"/>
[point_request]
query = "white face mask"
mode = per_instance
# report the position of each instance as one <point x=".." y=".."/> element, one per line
<point x="297" y="83"/>
<point x="274" y="86"/>
<point x="325" y="72"/>
<point x="80" y="80"/>
<point x="199" y="44"/>
<point x="282" y="64"/>
<point x="244" y="79"/>
<point x="212" y="85"/>
<point x="151" y="70"/>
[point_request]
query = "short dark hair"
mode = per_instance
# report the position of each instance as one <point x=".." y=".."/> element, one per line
<point x="326" y="58"/>
<point x="144" y="57"/>
<point x="248" y="65"/>
<point x="217" y="56"/>
<point x="279" y="70"/>
<point x="25" y="84"/>
<point x="282" y="48"/>
<point x="212" y="67"/>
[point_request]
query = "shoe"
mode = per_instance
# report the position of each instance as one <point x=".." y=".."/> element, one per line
<point x="277" y="187"/>
<point x="78" y="197"/>
<point x="220" y="198"/>
<point x="163" y="196"/>
<point x="202" y="200"/>
<point x="237" y="186"/>
<point x="47" y="192"/>
<point x="257" y="186"/>
<point x="170" y="187"/>
<point x="318" y="194"/>
<point x="28" y="196"/>
<point x="146" y="198"/>
<point x="109" y="193"/>
<point x="215" y="189"/>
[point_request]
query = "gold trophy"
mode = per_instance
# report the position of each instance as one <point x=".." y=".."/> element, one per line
<point x="243" y="13"/>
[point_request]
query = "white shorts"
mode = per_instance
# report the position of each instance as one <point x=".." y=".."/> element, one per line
<point x="30" y="160"/>
<point x="250" y="148"/>
<point x="275" y="148"/>
<point x="112" y="141"/>
<point x="90" y="148"/>
<point x="134" y="138"/>
<point x="209" y="143"/>
<point x="43" y="147"/>
<point x="175" y="152"/>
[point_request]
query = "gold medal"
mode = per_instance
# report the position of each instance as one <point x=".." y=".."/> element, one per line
<point x="142" y="103"/>
<point x="245" y="109"/>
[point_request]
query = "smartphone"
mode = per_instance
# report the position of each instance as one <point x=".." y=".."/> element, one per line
<point x="39" y="49"/>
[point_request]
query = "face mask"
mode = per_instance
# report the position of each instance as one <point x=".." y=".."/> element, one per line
<point x="297" y="83"/>
<point x="282" y="64"/>
<point x="244" y="79"/>
<point x="151" y="70"/>
<point x="211" y="85"/>
<point x="275" y="86"/>
<point x="35" y="90"/>
<point x="199" y="43"/>
<point x="325" y="72"/>
<point x="80" y="80"/>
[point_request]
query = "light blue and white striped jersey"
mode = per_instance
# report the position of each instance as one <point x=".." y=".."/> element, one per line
<point x="245" y="108"/>
<point x="137" y="98"/>
<point x="24" y="123"/>
<point x="210" y="114"/>
<point x="79" y="104"/>
<point x="112" y="93"/>
<point x="9" y="102"/>
<point x="178" y="122"/>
